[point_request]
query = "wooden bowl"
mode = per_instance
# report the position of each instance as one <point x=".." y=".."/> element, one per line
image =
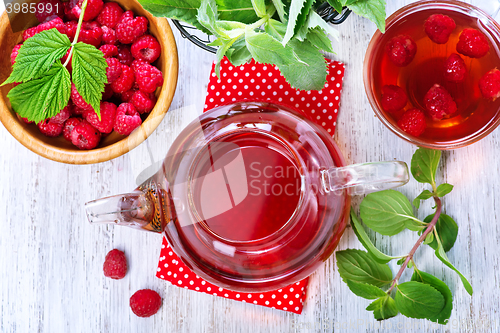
<point x="113" y="145"/>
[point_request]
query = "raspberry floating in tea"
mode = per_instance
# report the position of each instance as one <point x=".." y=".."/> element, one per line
<point x="439" y="103"/>
<point x="490" y="85"/>
<point x="439" y="28"/>
<point x="413" y="122"/>
<point x="473" y="43"/>
<point x="455" y="69"/>
<point x="394" y="98"/>
<point x="401" y="50"/>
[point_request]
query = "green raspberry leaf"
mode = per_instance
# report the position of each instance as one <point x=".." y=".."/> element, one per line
<point x="443" y="316"/>
<point x="37" y="54"/>
<point x="89" y="74"/>
<point x="383" y="308"/>
<point x="424" y="165"/>
<point x="441" y="255"/>
<point x="447" y="230"/>
<point x="418" y="300"/>
<point x="365" y="290"/>
<point x="443" y="189"/>
<point x="426" y="194"/>
<point x="388" y="212"/>
<point x="359" y="266"/>
<point x="43" y="97"/>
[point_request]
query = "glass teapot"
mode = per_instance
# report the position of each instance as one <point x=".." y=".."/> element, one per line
<point x="251" y="196"/>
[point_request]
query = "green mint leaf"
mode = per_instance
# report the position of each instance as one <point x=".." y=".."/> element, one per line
<point x="309" y="72"/>
<point x="388" y="212"/>
<point x="424" y="165"/>
<point x="260" y="7"/>
<point x="383" y="308"/>
<point x="276" y="29"/>
<point x="44" y="97"/>
<point x="447" y="230"/>
<point x="429" y="238"/>
<point x="359" y="266"/>
<point x="443" y="189"/>
<point x="237" y="10"/>
<point x="238" y="54"/>
<point x="207" y="16"/>
<point x="221" y="51"/>
<point x="336" y="5"/>
<point x="89" y="74"/>
<point x="299" y="10"/>
<point x="318" y="37"/>
<point x="265" y="49"/>
<point x="37" y="54"/>
<point x="280" y="8"/>
<point x="365" y="290"/>
<point x="314" y="21"/>
<point x="374" y="10"/>
<point x="441" y="254"/>
<point x="443" y="316"/>
<point x="426" y="194"/>
<point x="401" y="261"/>
<point x="418" y="300"/>
<point x="367" y="243"/>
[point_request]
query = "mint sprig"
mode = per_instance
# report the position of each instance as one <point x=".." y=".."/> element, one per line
<point x="45" y="83"/>
<point x="389" y="212"/>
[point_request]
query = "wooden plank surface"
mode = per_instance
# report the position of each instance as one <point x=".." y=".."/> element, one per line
<point x="51" y="257"/>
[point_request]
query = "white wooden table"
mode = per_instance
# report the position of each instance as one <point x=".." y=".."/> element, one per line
<point x="51" y="257"/>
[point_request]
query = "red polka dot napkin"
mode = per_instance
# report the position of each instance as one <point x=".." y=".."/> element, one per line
<point x="259" y="82"/>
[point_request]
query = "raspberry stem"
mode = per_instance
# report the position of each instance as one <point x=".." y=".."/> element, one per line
<point x="78" y="28"/>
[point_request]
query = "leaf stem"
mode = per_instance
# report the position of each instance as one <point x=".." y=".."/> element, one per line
<point x="429" y="229"/>
<point x="78" y="27"/>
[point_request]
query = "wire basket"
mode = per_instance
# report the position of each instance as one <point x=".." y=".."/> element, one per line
<point x="195" y="36"/>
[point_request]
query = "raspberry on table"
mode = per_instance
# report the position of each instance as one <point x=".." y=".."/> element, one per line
<point x="90" y="33"/>
<point x="489" y="84"/>
<point x="56" y="8"/>
<point x="68" y="127"/>
<point x="115" y="265"/>
<point x="110" y="14"/>
<point x="148" y="78"/>
<point x="114" y="69"/>
<point x="63" y="115"/>
<point x="145" y="302"/>
<point x="108" y="115"/>
<point x="127" y="119"/>
<point x="401" y="50"/>
<point x="129" y="29"/>
<point x="85" y="136"/>
<point x="393" y="99"/>
<point x="439" y="103"/>
<point x="143" y="102"/>
<point x="124" y="55"/>
<point x="146" y="48"/>
<point x="472" y="43"/>
<point x="109" y="50"/>
<point x="108" y="35"/>
<point x="454" y="68"/>
<point x="78" y="99"/>
<point x="413" y="122"/>
<point x="93" y="9"/>
<point x="439" y="28"/>
<point x="125" y="81"/>
<point x="49" y="128"/>
<point x="55" y="23"/>
<point x="14" y="53"/>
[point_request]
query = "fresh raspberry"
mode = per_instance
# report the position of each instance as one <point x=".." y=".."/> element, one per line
<point x="136" y="63"/>
<point x="472" y="43"/>
<point x="143" y="102"/>
<point x="110" y="14"/>
<point x="25" y="120"/>
<point x="108" y="92"/>
<point x="124" y="55"/>
<point x="454" y="68"/>
<point x="401" y="50"/>
<point x="148" y="78"/>
<point x="394" y="98"/>
<point x="85" y="136"/>
<point x="90" y="33"/>
<point x="109" y="50"/>
<point x="63" y="115"/>
<point x="94" y="7"/>
<point x="115" y="265"/>
<point x="126" y="16"/>
<point x="146" y="48"/>
<point x="127" y="119"/>
<point x="127" y="95"/>
<point x="14" y="53"/>
<point x="489" y="84"/>
<point x="55" y="23"/>
<point x="71" y="29"/>
<point x="68" y="6"/>
<point x="439" y="103"/>
<point x="108" y="115"/>
<point x="68" y="127"/>
<point x="78" y="111"/>
<point x="108" y="35"/>
<point x="56" y="8"/>
<point x="49" y="128"/>
<point x="129" y="29"/>
<point x="145" y="302"/>
<point x="439" y="28"/>
<point x="125" y="81"/>
<point x="114" y="69"/>
<point x="413" y="122"/>
<point x="78" y="99"/>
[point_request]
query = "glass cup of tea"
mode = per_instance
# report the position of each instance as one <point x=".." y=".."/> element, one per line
<point x="411" y="67"/>
<point x="251" y="196"/>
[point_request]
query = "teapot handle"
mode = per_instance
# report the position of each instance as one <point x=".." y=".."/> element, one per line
<point x="364" y="178"/>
